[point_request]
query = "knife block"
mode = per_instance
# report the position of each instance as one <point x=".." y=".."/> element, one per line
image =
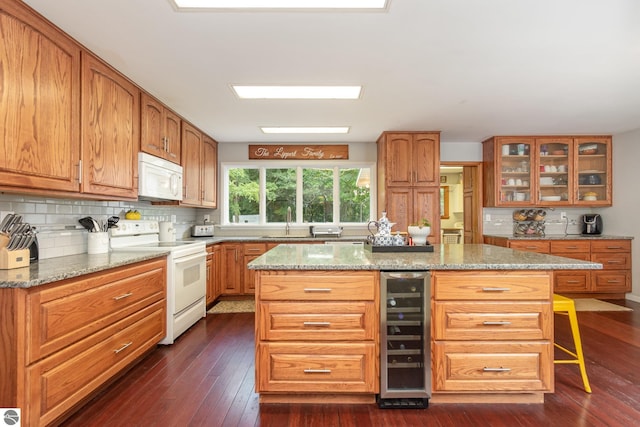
<point x="14" y="259"/>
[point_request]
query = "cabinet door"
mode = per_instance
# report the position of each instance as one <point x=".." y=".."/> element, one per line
<point x="555" y="171"/>
<point x="209" y="172"/>
<point x="152" y="128"/>
<point x="426" y="204"/>
<point x="399" y="207"/>
<point x="397" y="154"/>
<point x="39" y="103"/>
<point x="172" y="136"/>
<point x="217" y="271"/>
<point x="110" y="131"/>
<point x="210" y="282"/>
<point x="593" y="166"/>
<point x="232" y="269"/>
<point x="412" y="159"/>
<point x="191" y="164"/>
<point x="514" y="171"/>
<point x="426" y="159"/>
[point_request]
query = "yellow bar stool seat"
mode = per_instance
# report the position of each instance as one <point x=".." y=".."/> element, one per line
<point x="566" y="306"/>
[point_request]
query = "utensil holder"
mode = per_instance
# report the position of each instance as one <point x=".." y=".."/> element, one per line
<point x="13" y="259"/>
<point x="98" y="243"/>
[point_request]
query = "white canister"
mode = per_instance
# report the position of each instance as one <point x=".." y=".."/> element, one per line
<point x="167" y="231"/>
<point x="98" y="243"/>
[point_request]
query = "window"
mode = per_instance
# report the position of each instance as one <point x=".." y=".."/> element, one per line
<point x="316" y="194"/>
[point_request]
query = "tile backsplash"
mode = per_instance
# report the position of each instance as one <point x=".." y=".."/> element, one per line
<point x="56" y="220"/>
<point x="500" y="220"/>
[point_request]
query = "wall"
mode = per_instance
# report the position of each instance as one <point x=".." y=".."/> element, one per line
<point x="56" y="220"/>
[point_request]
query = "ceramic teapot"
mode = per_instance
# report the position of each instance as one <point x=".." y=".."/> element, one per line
<point x="382" y="235"/>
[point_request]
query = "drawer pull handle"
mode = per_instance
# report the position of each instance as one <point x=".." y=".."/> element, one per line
<point x="496" y="322"/>
<point x="317" y="371"/>
<point x="496" y="289"/>
<point x="123" y="296"/>
<point x="573" y="281"/>
<point x="614" y="247"/>
<point x="123" y="347"/>
<point x="316" y="323"/>
<point x="613" y="281"/>
<point x="254" y="250"/>
<point x="501" y="369"/>
<point x="572" y="247"/>
<point x="614" y="261"/>
<point x="317" y="289"/>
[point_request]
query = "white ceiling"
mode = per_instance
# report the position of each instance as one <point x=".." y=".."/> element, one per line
<point x="469" y="68"/>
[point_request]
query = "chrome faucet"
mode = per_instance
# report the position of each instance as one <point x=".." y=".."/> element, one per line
<point x="287" y="227"/>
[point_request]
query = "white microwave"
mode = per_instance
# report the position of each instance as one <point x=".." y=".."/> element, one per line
<point x="158" y="179"/>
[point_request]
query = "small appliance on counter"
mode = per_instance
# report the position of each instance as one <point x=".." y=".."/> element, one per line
<point x="325" y="231"/>
<point x="167" y="231"/>
<point x="591" y="224"/>
<point x="202" y="230"/>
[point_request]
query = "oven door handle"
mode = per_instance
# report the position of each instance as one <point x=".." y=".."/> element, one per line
<point x="190" y="258"/>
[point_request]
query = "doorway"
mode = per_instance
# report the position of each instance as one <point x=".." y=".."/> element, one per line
<point x="461" y="202"/>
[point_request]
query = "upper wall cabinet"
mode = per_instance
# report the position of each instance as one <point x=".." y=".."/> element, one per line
<point x="547" y="171"/>
<point x="410" y="158"/>
<point x="199" y="163"/>
<point x="39" y="103"/>
<point x="160" y="130"/>
<point x="110" y="131"/>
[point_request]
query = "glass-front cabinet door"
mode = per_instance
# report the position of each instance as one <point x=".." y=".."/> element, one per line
<point x="515" y="171"/>
<point x="555" y="170"/>
<point x="593" y="170"/>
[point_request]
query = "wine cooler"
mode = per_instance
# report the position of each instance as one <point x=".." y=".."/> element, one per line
<point x="405" y="355"/>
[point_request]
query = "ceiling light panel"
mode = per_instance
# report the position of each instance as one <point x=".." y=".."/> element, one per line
<point x="297" y="92"/>
<point x="281" y="4"/>
<point x="306" y="129"/>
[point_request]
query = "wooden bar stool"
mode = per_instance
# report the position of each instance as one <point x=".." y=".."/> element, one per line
<point x="566" y="306"/>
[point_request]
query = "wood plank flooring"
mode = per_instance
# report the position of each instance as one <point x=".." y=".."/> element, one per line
<point x="207" y="377"/>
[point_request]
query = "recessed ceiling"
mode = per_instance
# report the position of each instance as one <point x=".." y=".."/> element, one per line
<point x="468" y="68"/>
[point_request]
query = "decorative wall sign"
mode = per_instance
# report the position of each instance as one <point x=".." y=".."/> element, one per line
<point x="299" y="152"/>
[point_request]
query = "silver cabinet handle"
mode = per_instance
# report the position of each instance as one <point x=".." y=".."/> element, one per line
<point x="573" y="281"/>
<point x="316" y="323"/>
<point x="501" y="369"/>
<point x="123" y="296"/>
<point x="614" y="247"/>
<point x="613" y="281"/>
<point x="496" y="289"/>
<point x="614" y="261"/>
<point x="317" y="371"/>
<point x="497" y="322"/>
<point x="123" y="347"/>
<point x="317" y="289"/>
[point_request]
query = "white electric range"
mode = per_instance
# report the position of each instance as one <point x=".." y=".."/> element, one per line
<point x="186" y="271"/>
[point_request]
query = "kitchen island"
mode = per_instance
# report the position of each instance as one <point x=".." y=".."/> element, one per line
<point x="318" y="322"/>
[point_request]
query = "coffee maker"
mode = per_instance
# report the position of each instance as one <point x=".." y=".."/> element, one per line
<point x="591" y="224"/>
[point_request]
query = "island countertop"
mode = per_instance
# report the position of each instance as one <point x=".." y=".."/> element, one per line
<point x="444" y="257"/>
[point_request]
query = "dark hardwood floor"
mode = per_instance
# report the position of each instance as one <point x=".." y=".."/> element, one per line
<point x="207" y="377"/>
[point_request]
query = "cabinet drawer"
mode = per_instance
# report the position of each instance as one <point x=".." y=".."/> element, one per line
<point x="611" y="246"/>
<point x="613" y="261"/>
<point x="328" y="321"/>
<point x="523" y="366"/>
<point x="583" y="256"/>
<point x="531" y="246"/>
<point x="68" y="376"/>
<point x="310" y="368"/>
<point x="66" y="313"/>
<point x="572" y="281"/>
<point x="492" y="321"/>
<point x="318" y="286"/>
<point x="611" y="281"/>
<point x="255" y="248"/>
<point x="569" y="246"/>
<point x="494" y="286"/>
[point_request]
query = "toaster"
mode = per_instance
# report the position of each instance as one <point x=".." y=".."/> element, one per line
<point x="205" y="230"/>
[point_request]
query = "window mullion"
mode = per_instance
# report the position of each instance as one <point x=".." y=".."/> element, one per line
<point x="298" y="195"/>
<point x="336" y="195"/>
<point x="262" y="195"/>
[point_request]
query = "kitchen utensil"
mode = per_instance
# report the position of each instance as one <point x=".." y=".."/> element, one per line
<point x="88" y="223"/>
<point x="112" y="221"/>
<point x="5" y="222"/>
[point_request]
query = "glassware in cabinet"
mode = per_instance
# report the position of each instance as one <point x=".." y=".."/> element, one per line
<point x="555" y="170"/>
<point x="515" y="171"/>
<point x="593" y="167"/>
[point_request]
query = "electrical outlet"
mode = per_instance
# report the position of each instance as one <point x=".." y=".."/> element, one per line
<point x="173" y="218"/>
<point x="487" y="217"/>
<point x="563" y="215"/>
<point x="207" y="218"/>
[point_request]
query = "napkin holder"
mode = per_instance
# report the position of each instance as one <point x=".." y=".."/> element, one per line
<point x="14" y="259"/>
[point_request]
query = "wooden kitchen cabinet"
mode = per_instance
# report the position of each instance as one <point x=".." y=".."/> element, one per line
<point x="547" y="171"/>
<point x="199" y="163"/>
<point x="232" y="269"/>
<point x="613" y="281"/>
<point x="40" y="138"/>
<point x="492" y="331"/>
<point x="63" y="341"/>
<point x="409" y="179"/>
<point x="160" y="130"/>
<point x="110" y="112"/>
<point x="318" y="334"/>
<point x="251" y="252"/>
<point x="213" y="273"/>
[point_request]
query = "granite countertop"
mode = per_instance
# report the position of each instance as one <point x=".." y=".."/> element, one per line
<point x="562" y="237"/>
<point x="60" y="268"/>
<point x="277" y="239"/>
<point x="444" y="257"/>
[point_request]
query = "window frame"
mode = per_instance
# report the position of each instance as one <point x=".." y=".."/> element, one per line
<point x="262" y="167"/>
